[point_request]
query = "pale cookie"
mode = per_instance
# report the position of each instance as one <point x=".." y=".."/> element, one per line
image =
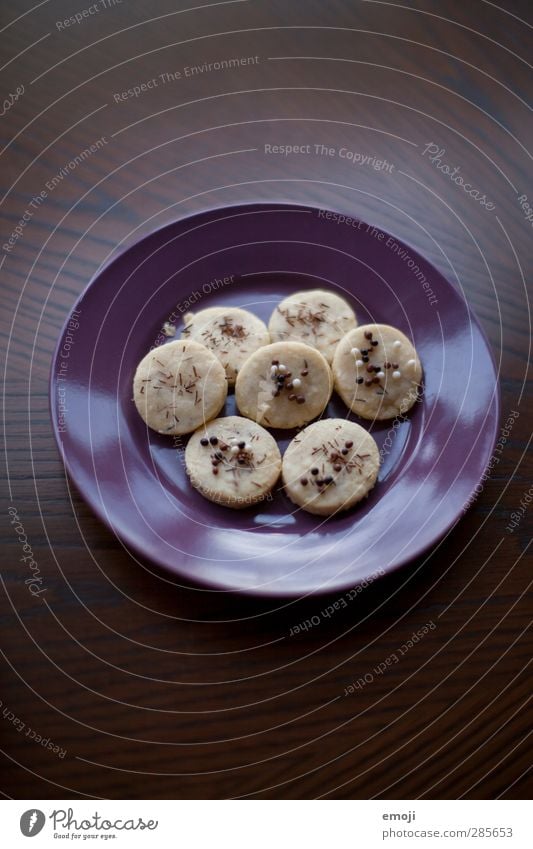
<point x="377" y="371"/>
<point x="233" y="461"/>
<point x="232" y="334"/>
<point x="330" y="466"/>
<point x="179" y="386"/>
<point x="284" y="385"/>
<point x="317" y="318"/>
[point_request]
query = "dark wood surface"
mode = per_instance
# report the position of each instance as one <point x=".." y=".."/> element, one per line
<point x="157" y="691"/>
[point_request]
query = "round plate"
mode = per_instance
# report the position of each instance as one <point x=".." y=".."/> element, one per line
<point x="253" y="256"/>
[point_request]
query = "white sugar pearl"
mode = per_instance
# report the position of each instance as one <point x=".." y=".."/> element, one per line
<point x="355" y="351"/>
<point x="296" y="383"/>
<point x="273" y="371"/>
<point x="411" y="363"/>
<point x="247" y="447"/>
<point x="359" y="363"/>
<point x="380" y="374"/>
<point x="169" y="329"/>
<point x="397" y="344"/>
<point x="396" y="374"/>
<point x="282" y="369"/>
<point x="234" y="449"/>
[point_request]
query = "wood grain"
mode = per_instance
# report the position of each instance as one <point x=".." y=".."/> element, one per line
<point x="162" y="691"/>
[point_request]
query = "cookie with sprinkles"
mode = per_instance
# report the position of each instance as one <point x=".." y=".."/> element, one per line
<point x="179" y="386"/>
<point x="233" y="461"/>
<point x="377" y="371"/>
<point x="284" y="385"/>
<point x="330" y="466"/>
<point x="231" y="333"/>
<point x="317" y="317"/>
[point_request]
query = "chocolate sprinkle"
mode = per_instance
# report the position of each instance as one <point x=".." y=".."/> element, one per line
<point x="204" y="441"/>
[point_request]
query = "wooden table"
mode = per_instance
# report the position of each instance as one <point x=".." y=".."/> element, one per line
<point x="123" y="685"/>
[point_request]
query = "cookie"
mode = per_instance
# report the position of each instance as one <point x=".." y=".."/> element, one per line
<point x="286" y="384"/>
<point x="179" y="386"/>
<point x="233" y="461"/>
<point x="232" y="334"/>
<point x="330" y="466"/>
<point x="377" y="371"/>
<point x="317" y="317"/>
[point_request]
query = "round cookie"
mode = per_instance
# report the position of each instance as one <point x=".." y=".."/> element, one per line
<point x="233" y="461"/>
<point x="232" y="334"/>
<point x="317" y="317"/>
<point x="179" y="386"/>
<point x="286" y="384"/>
<point x="377" y="371"/>
<point x="330" y="466"/>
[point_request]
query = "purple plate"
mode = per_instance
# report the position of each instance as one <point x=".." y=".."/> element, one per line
<point x="252" y="256"/>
